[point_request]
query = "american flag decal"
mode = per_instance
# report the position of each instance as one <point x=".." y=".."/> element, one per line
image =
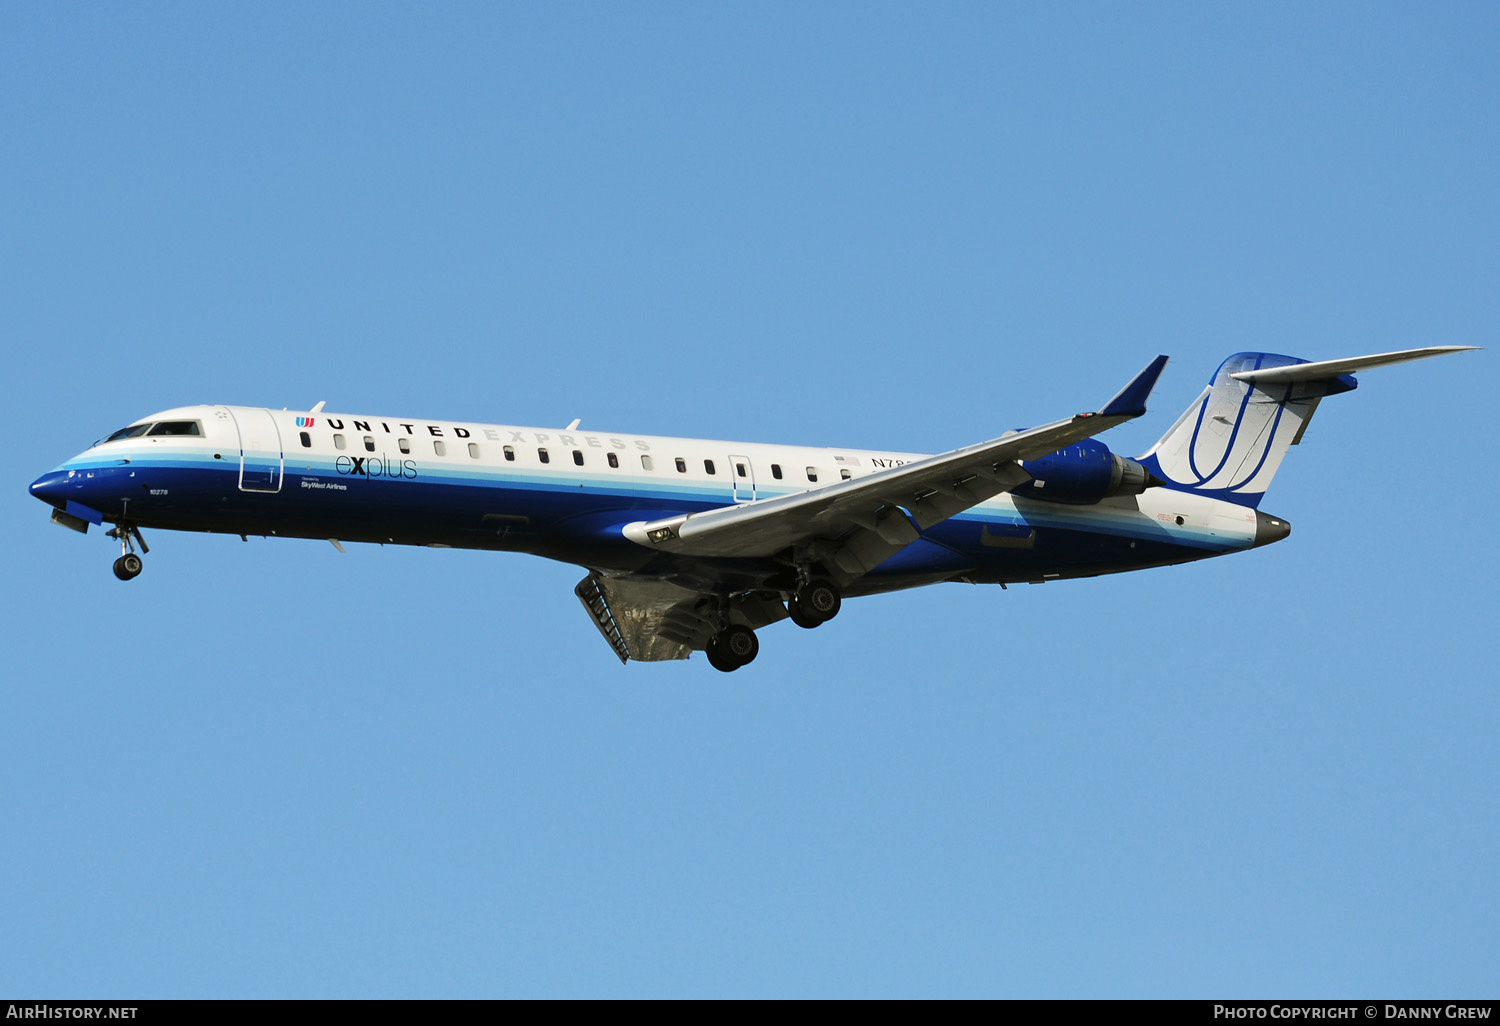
<point x="852" y="461"/>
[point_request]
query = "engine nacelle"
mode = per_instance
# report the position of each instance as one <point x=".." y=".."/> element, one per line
<point x="1083" y="473"/>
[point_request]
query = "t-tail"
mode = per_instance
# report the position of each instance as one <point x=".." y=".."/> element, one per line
<point x="1231" y="441"/>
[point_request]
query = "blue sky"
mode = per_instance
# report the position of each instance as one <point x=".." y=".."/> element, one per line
<point x="268" y="769"/>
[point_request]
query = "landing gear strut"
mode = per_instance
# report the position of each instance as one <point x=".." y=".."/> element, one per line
<point x="816" y="602"/>
<point x="732" y="648"/>
<point x="129" y="565"/>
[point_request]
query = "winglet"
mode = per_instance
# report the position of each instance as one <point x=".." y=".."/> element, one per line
<point x="1131" y="401"/>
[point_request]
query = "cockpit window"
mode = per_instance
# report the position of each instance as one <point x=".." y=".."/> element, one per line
<point x="134" y="431"/>
<point x="177" y="427"/>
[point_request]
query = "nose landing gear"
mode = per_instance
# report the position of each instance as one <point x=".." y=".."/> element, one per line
<point x="129" y="565"/>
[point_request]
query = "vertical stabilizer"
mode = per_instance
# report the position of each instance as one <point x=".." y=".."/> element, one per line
<point x="1231" y="441"/>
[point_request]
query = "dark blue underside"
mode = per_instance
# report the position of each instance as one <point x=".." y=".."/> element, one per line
<point x="578" y="525"/>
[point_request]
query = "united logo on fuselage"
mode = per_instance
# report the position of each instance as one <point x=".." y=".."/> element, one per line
<point x="491" y="434"/>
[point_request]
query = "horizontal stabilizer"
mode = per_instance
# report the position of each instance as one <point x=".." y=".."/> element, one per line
<point x="1322" y="370"/>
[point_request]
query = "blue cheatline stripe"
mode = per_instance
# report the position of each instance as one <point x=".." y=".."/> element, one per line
<point x="1137" y="526"/>
<point x="610" y="494"/>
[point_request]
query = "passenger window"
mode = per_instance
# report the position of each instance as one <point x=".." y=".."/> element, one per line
<point x="812" y="473"/>
<point x="612" y="459"/>
<point x="776" y="471"/>
<point x="474" y="449"/>
<point x="578" y="457"/>
<point x="541" y="454"/>
<point x="404" y="444"/>
<point x="306" y="440"/>
<point x="844" y="473"/>
<point x="739" y="468"/>
<point x="708" y="466"/>
<point x="510" y="454"/>
<point x="439" y="448"/>
<point x="369" y="444"/>
<point x="645" y="462"/>
<point x="681" y="465"/>
<point x="338" y="441"/>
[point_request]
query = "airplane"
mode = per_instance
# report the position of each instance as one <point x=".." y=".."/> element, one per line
<point x="694" y="545"/>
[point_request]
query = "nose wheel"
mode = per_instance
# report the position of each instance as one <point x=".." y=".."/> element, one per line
<point x="129" y="566"/>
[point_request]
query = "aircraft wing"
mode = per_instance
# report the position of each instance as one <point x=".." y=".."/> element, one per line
<point x="857" y="524"/>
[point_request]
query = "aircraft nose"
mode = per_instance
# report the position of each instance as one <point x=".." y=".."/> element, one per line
<point x="52" y="488"/>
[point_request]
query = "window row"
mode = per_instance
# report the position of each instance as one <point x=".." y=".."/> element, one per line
<point x="440" y="448"/>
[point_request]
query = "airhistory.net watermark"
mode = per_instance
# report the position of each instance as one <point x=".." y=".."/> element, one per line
<point x="43" y="1010"/>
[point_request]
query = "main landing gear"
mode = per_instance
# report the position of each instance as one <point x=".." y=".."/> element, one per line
<point x="732" y="648"/>
<point x="129" y="566"/>
<point x="815" y="603"/>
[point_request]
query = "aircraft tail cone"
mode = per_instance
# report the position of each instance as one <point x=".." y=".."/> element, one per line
<point x="1269" y="529"/>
